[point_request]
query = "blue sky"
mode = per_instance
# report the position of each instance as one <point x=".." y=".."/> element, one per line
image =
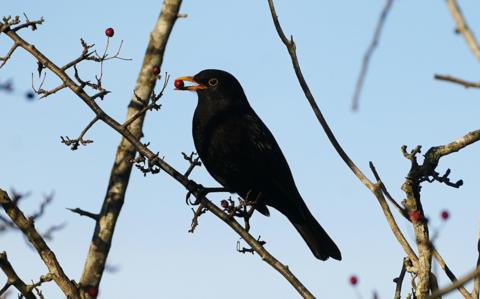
<point x="157" y="258"/>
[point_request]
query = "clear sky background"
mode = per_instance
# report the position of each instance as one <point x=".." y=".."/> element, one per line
<point x="155" y="256"/>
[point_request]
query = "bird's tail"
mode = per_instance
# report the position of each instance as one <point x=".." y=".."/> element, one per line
<point x="321" y="245"/>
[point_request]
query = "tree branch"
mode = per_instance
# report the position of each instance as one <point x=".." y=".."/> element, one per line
<point x="460" y="282"/>
<point x="476" y="281"/>
<point x="368" y="54"/>
<point x="463" y="28"/>
<point x="13" y="278"/>
<point x="28" y="229"/>
<point x="374" y="188"/>
<point x="462" y="82"/>
<point x="399" y="280"/>
<point x="120" y="174"/>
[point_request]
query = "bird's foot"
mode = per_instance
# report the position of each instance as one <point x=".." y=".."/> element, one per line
<point x="200" y="192"/>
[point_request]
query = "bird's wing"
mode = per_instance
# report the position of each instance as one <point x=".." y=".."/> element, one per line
<point x="270" y="166"/>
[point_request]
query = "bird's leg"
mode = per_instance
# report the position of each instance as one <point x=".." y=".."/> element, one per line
<point x="248" y="214"/>
<point x="199" y="192"/>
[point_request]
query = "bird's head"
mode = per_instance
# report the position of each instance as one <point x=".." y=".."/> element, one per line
<point x="213" y="85"/>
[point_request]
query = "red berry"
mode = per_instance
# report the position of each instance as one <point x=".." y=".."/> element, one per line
<point x="444" y="215"/>
<point x="178" y="84"/>
<point x="224" y="203"/>
<point x="156" y="70"/>
<point x="415" y="216"/>
<point x="109" y="32"/>
<point x="353" y="280"/>
<point x="92" y="292"/>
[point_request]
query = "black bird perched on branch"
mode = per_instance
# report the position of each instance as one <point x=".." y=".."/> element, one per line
<point x="240" y="152"/>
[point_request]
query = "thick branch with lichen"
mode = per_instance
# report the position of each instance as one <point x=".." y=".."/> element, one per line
<point x="27" y="227"/>
<point x="119" y="177"/>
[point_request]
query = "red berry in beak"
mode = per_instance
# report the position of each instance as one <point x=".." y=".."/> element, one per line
<point x="109" y="32"/>
<point x="178" y="84"/>
<point x="156" y="70"/>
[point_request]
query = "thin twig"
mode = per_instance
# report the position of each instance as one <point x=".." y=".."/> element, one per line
<point x="400" y="209"/>
<point x="13" y="278"/>
<point x="5" y="58"/>
<point x="374" y="188"/>
<point x="84" y="213"/>
<point x="75" y="143"/>
<point x="476" y="281"/>
<point x="463" y="28"/>
<point x="462" y="82"/>
<point x="399" y="280"/>
<point x="441" y="262"/>
<point x="460" y="282"/>
<point x="368" y="54"/>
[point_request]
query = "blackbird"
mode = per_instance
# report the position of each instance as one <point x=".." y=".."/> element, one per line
<point x="240" y="152"/>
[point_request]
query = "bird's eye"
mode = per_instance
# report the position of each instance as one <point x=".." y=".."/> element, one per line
<point x="213" y="82"/>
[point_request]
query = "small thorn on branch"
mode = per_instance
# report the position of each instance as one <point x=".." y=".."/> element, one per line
<point x="94" y="86"/>
<point x="86" y="53"/>
<point x="244" y="250"/>
<point x="194" y="162"/>
<point x="154" y="98"/>
<point x="84" y="213"/>
<point x="147" y="165"/>
<point x="75" y="143"/>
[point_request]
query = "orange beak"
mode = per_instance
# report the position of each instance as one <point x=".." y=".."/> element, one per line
<point x="192" y="87"/>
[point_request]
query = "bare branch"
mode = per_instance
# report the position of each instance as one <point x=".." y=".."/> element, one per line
<point x="28" y="228"/>
<point x="75" y="143"/>
<point x="368" y="54"/>
<point x="399" y="280"/>
<point x="5" y="58"/>
<point x="462" y="82"/>
<point x="48" y="234"/>
<point x="46" y="201"/>
<point x="290" y="45"/>
<point x="460" y="282"/>
<point x="387" y="194"/>
<point x="85" y="55"/>
<point x="476" y="281"/>
<point x="84" y="213"/>
<point x="194" y="162"/>
<point x="374" y="188"/>
<point x="13" y="278"/>
<point x="8" y="22"/>
<point x="463" y="28"/>
<point x="152" y="106"/>
<point x="28" y="23"/>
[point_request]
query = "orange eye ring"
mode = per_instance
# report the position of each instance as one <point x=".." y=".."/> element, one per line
<point x="213" y="82"/>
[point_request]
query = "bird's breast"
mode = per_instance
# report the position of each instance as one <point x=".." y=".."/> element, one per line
<point x="218" y="141"/>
